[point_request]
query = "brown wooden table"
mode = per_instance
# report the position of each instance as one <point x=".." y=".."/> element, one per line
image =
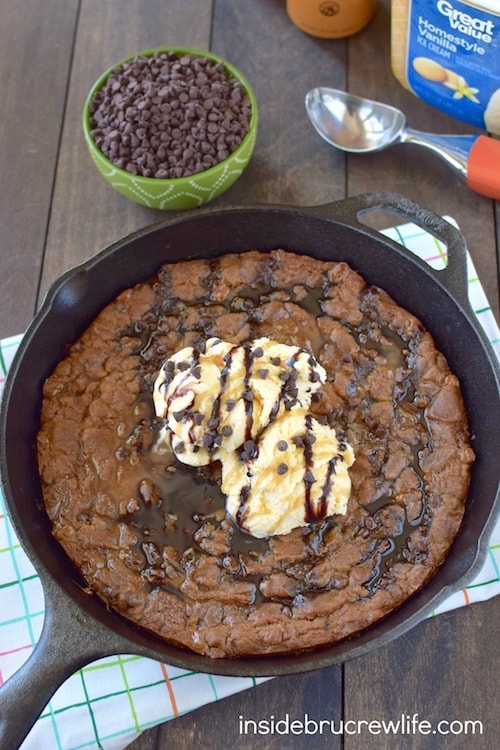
<point x="56" y="211"/>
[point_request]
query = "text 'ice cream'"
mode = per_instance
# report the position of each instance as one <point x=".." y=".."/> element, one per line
<point x="247" y="406"/>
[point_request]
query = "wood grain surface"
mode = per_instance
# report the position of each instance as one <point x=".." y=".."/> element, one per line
<point x="56" y="211"/>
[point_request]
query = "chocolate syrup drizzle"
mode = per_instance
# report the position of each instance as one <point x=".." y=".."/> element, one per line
<point x="146" y="519"/>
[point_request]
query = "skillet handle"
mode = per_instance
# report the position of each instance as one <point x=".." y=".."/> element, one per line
<point x="453" y="277"/>
<point x="65" y="645"/>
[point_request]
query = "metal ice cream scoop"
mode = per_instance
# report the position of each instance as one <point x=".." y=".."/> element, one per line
<point x="360" y="126"/>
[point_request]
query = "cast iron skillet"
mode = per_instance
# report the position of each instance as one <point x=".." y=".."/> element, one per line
<point x="78" y="628"/>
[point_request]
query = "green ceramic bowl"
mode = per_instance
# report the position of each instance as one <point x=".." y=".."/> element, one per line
<point x="181" y="192"/>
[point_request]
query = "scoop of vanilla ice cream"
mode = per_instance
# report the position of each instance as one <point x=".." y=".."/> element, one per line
<point x="294" y="475"/>
<point x="492" y="114"/>
<point x="215" y="400"/>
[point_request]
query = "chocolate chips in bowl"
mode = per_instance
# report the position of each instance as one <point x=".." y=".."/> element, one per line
<point x="171" y="128"/>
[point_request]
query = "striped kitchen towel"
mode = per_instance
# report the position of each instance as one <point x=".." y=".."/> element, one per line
<point x="108" y="703"/>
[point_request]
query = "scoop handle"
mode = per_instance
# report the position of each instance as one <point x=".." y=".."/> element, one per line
<point x="483" y="167"/>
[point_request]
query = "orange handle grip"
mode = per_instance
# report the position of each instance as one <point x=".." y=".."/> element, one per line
<point x="483" y="167"/>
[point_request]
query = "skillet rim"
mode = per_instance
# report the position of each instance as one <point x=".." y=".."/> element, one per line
<point x="345" y="214"/>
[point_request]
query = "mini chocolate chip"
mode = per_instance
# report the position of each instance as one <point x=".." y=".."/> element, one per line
<point x="196" y="371"/>
<point x="230" y="404"/>
<point x="227" y="431"/>
<point x="180" y="448"/>
<point x="282" y="468"/>
<point x="178" y="416"/>
<point x="258" y="352"/>
<point x="275" y="361"/>
<point x="249" y="450"/>
<point x="154" y="95"/>
<point x="282" y="445"/>
<point x="309" y="477"/>
<point x="263" y="372"/>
